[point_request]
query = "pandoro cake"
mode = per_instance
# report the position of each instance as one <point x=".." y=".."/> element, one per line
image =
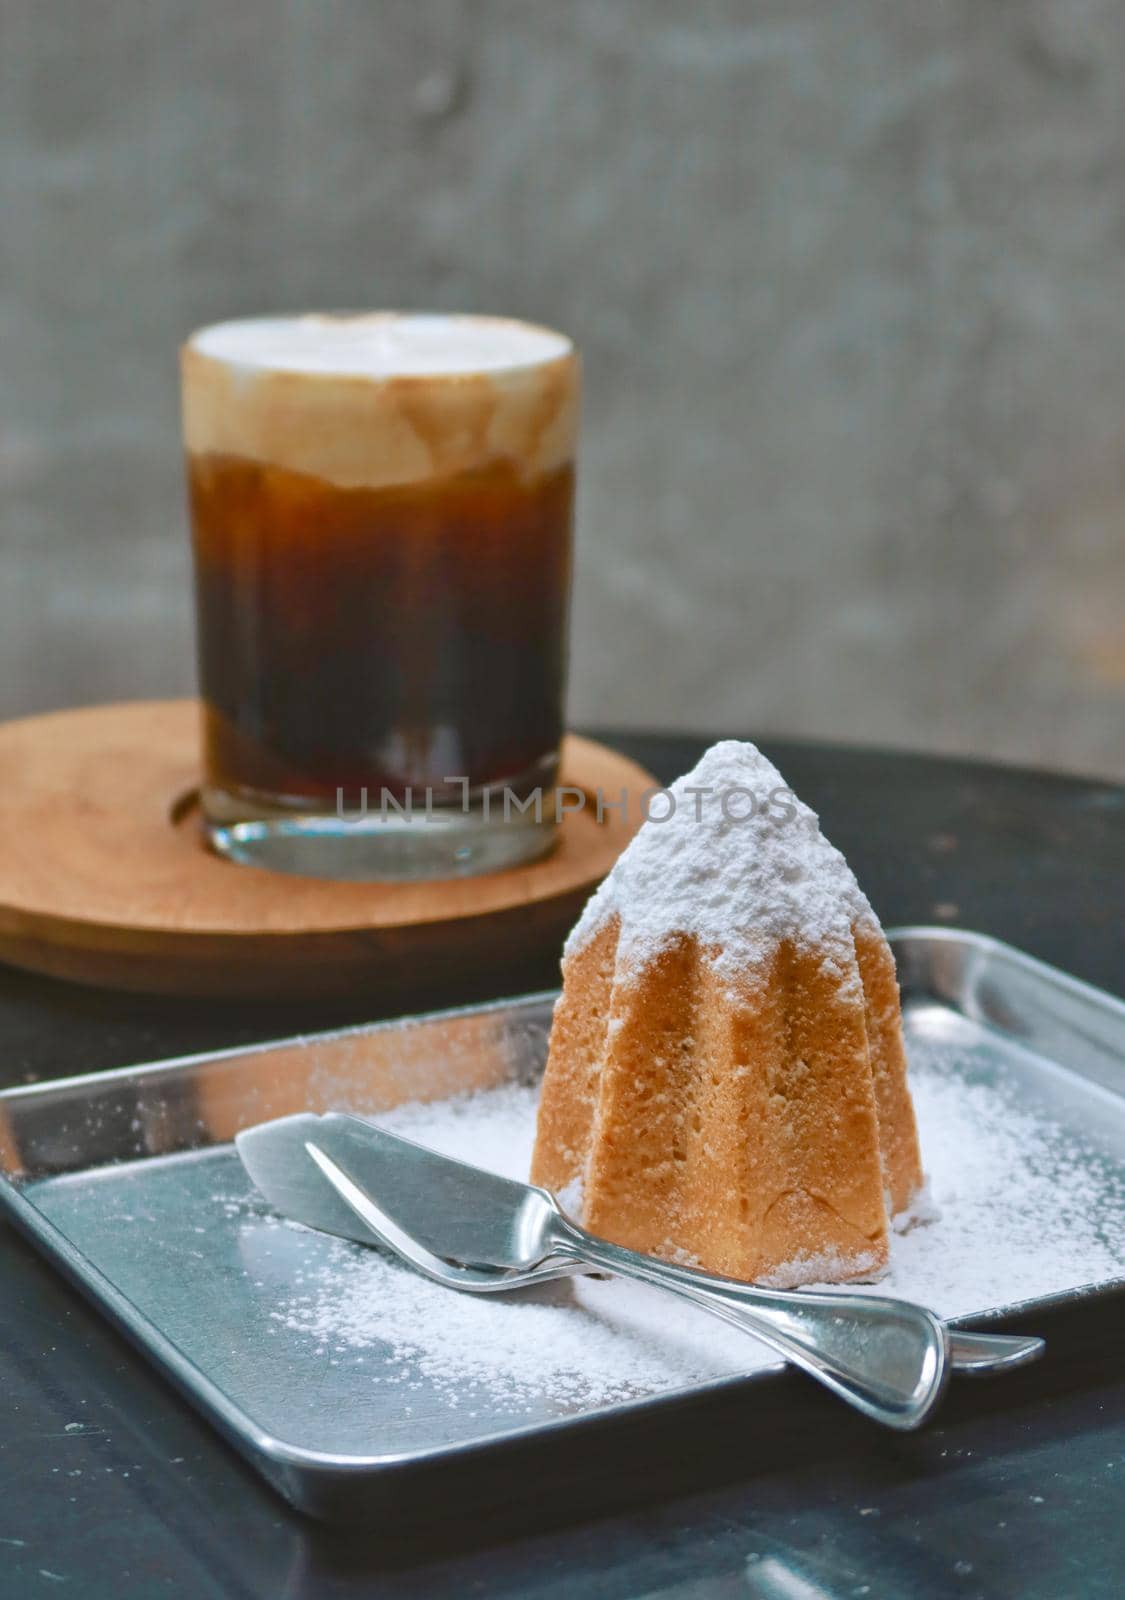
<point x="726" y="1080"/>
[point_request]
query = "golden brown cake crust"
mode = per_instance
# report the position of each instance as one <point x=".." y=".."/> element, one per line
<point x="740" y="1103"/>
<point x="756" y="1134"/>
<point x="898" y="1132"/>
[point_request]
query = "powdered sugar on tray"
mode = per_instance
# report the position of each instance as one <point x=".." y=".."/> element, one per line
<point x="731" y="856"/>
<point x="577" y="1340"/>
<point x="1026" y="1209"/>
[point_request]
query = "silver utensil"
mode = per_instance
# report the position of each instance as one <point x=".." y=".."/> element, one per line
<point x="481" y="1233"/>
<point x="275" y="1156"/>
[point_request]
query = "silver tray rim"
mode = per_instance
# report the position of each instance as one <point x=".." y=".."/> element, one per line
<point x="283" y="1460"/>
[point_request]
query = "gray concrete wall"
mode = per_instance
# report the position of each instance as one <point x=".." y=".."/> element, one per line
<point x="849" y="280"/>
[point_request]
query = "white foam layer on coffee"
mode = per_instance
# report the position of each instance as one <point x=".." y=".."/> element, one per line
<point x="382" y="399"/>
<point x="381" y="344"/>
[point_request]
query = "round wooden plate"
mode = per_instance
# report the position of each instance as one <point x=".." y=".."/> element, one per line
<point x="105" y="877"/>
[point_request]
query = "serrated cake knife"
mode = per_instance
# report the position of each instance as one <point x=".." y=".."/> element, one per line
<point x="475" y="1231"/>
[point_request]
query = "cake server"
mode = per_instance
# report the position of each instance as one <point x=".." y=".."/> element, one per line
<point x="475" y="1231"/>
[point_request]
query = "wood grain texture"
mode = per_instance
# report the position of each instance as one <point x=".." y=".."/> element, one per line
<point x="105" y="877"/>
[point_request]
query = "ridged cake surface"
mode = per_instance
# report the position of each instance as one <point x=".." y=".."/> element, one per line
<point x="726" y="1080"/>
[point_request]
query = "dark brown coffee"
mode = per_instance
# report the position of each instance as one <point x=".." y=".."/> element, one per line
<point x="381" y="638"/>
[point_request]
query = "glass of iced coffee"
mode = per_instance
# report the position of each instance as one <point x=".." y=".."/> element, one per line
<point x="381" y="511"/>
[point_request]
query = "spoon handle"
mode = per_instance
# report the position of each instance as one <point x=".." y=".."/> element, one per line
<point x="887" y="1358"/>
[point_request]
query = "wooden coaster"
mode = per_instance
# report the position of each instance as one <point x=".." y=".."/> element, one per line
<point x="105" y="877"/>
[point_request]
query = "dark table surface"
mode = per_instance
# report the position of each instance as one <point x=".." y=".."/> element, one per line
<point x="110" y="1485"/>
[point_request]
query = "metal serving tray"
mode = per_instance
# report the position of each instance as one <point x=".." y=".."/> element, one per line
<point x="150" y="1146"/>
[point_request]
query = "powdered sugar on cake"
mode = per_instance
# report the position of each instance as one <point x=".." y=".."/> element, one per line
<point x="824" y="1267"/>
<point x="732" y="857"/>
